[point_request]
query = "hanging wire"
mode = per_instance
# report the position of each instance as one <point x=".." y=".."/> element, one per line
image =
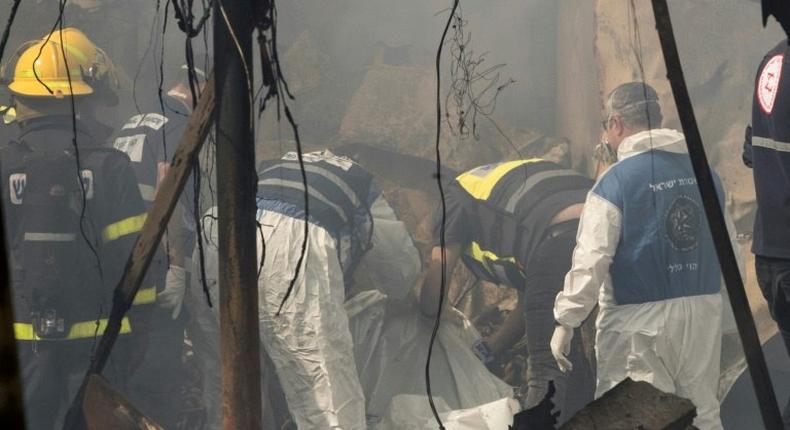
<point x="638" y="55"/>
<point x="273" y="79"/>
<point x="59" y="25"/>
<point x="83" y="192"/>
<point x="474" y="86"/>
<point x="151" y="41"/>
<point x="7" y="30"/>
<point x="468" y="72"/>
<point x="442" y="290"/>
<point x="185" y="17"/>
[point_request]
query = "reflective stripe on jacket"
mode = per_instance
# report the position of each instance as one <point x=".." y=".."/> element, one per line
<point x="513" y="203"/>
<point x="80" y="330"/>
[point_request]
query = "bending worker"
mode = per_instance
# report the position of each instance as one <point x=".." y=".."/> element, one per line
<point x="514" y="224"/>
<point x="644" y="239"/>
<point x="349" y="223"/>
<point x="72" y="211"/>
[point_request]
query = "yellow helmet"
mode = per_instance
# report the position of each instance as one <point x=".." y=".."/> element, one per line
<point x="41" y="68"/>
<point x="97" y="67"/>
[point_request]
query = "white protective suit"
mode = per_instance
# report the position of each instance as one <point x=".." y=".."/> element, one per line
<point x="645" y="256"/>
<point x="309" y="342"/>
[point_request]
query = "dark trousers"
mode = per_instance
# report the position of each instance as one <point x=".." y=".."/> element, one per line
<point x="158" y="382"/>
<point x="545" y="278"/>
<point x="773" y="276"/>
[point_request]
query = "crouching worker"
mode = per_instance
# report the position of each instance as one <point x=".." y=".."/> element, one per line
<point x="514" y="224"/>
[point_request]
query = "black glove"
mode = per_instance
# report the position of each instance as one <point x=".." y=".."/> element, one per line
<point x="540" y="417"/>
<point x="747" y="147"/>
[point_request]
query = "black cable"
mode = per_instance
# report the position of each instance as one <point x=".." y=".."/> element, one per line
<point x="303" y="251"/>
<point x="263" y="248"/>
<point x="151" y="36"/>
<point x="185" y="20"/>
<point x="162" y="76"/>
<point x="275" y="53"/>
<point x="83" y="191"/>
<point x="280" y="91"/>
<point x="194" y="90"/>
<point x="442" y="243"/>
<point x="165" y="156"/>
<point x="59" y="24"/>
<point x="467" y="70"/>
<point x="7" y="30"/>
<point x="638" y="55"/>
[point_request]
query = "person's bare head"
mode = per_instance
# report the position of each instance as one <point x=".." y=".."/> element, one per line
<point x="631" y="108"/>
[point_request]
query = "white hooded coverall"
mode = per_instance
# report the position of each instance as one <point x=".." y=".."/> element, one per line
<point x="309" y="342"/>
<point x="644" y="254"/>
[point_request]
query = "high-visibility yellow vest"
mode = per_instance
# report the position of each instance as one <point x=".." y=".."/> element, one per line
<point x="514" y="202"/>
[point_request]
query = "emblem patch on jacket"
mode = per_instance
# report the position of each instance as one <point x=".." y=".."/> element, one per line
<point x="18" y="181"/>
<point x="132" y="146"/>
<point x="682" y="222"/>
<point x="768" y="83"/>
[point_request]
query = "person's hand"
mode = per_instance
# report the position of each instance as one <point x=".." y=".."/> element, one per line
<point x="483" y="352"/>
<point x="561" y="347"/>
<point x="453" y="316"/>
<point x="172" y="297"/>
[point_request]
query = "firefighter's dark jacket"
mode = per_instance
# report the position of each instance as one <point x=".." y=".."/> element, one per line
<point x="66" y="265"/>
<point x="499" y="213"/>
<point x="767" y="150"/>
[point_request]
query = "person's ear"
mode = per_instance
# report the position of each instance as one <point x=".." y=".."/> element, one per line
<point x="617" y="126"/>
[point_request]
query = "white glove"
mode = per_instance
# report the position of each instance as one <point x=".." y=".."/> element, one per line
<point x="172" y="297"/>
<point x="561" y="347"/>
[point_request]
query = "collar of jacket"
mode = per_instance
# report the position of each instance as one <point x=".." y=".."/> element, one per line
<point x="664" y="139"/>
<point x="56" y="124"/>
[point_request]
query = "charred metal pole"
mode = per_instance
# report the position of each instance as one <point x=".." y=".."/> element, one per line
<point x="721" y="239"/>
<point x="12" y="414"/>
<point x="236" y="189"/>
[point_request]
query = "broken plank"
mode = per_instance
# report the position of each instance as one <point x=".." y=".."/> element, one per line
<point x="105" y="408"/>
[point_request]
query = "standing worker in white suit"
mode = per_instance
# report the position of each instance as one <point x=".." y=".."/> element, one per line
<point x="645" y="255"/>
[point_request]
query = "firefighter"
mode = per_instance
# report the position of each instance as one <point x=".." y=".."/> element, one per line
<point x="514" y="224"/>
<point x="150" y="140"/>
<point x="72" y="213"/>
